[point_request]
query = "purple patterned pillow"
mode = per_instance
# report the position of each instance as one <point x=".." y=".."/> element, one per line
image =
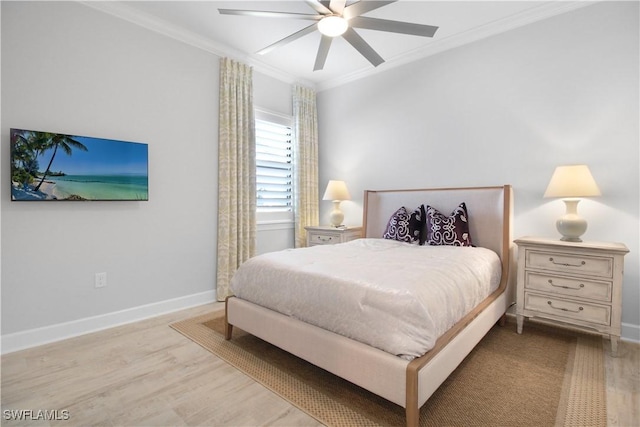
<point x="406" y="227"/>
<point x="450" y="230"/>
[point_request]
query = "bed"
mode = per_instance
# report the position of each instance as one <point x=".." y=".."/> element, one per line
<point x="406" y="381"/>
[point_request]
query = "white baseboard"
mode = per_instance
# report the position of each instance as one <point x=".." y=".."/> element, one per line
<point x="48" y="334"/>
<point x="630" y="332"/>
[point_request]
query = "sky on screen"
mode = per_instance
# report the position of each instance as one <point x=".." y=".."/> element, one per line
<point x="103" y="157"/>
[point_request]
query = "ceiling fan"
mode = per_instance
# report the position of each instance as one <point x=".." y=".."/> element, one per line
<point x="335" y="18"/>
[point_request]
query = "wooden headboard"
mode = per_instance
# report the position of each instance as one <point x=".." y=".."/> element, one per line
<point x="489" y="210"/>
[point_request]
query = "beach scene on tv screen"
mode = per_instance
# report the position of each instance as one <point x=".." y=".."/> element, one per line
<point x="53" y="166"/>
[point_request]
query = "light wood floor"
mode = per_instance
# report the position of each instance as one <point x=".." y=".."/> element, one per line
<point x="147" y="374"/>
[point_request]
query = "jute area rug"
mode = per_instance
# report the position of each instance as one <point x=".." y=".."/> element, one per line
<point x="544" y="377"/>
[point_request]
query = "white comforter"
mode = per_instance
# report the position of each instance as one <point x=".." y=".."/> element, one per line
<point x="391" y="295"/>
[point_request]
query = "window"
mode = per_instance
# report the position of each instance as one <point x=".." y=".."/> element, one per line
<point x="274" y="167"/>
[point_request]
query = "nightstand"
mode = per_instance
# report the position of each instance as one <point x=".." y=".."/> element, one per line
<point x="576" y="283"/>
<point x="327" y="235"/>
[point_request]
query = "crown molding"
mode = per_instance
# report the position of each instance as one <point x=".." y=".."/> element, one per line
<point x="539" y="13"/>
<point x="134" y="16"/>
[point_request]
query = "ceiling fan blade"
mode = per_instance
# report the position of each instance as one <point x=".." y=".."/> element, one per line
<point x="337" y="6"/>
<point x="323" y="51"/>
<point x="363" y="47"/>
<point x="393" y="26"/>
<point x="303" y="32"/>
<point x="319" y="7"/>
<point x="362" y="6"/>
<point x="267" y="14"/>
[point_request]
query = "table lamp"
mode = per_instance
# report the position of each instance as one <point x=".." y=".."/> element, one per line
<point x="571" y="182"/>
<point x="336" y="191"/>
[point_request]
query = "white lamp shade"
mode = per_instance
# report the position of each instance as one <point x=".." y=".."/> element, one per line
<point x="572" y="181"/>
<point x="336" y="190"/>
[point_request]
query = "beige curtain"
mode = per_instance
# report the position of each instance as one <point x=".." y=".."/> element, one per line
<point x="305" y="129"/>
<point x="236" y="172"/>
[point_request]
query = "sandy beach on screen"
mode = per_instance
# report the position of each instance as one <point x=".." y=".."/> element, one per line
<point x="49" y="188"/>
<point x="47" y="191"/>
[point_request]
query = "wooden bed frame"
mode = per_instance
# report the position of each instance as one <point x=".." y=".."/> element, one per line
<point x="408" y="384"/>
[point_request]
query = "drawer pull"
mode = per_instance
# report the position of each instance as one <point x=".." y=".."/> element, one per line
<point x="565" y="309"/>
<point x="566" y="264"/>
<point x="566" y="287"/>
<point x="324" y="239"/>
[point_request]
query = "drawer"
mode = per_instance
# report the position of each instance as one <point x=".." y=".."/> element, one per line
<point x="575" y="287"/>
<point x="591" y="313"/>
<point x="570" y="263"/>
<point x="323" y="239"/>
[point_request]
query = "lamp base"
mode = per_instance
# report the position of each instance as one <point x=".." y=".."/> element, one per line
<point x="571" y="225"/>
<point x="336" y="216"/>
<point x="570" y="239"/>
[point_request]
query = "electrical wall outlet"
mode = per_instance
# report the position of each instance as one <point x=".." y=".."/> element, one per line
<point x="101" y="280"/>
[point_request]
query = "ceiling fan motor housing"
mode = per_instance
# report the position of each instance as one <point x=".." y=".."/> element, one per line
<point x="333" y="25"/>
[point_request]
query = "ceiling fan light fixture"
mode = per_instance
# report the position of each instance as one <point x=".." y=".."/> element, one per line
<point x="333" y="25"/>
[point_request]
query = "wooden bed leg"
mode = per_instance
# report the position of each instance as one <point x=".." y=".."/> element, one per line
<point x="412" y="412"/>
<point x="228" y="331"/>
<point x="503" y="320"/>
<point x="228" y="328"/>
<point x="412" y="409"/>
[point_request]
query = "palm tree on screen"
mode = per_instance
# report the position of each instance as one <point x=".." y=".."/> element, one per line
<point x="23" y="159"/>
<point x="55" y="141"/>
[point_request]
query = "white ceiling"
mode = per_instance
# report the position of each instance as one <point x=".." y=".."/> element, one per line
<point x="199" y="23"/>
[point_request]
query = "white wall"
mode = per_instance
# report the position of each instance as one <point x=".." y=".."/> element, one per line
<point x="505" y="110"/>
<point x="69" y="68"/>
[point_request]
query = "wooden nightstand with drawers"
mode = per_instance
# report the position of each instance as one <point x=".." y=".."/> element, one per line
<point x="576" y="283"/>
<point x="327" y="235"/>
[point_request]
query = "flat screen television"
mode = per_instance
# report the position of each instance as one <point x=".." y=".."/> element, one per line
<point x="52" y="167"/>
